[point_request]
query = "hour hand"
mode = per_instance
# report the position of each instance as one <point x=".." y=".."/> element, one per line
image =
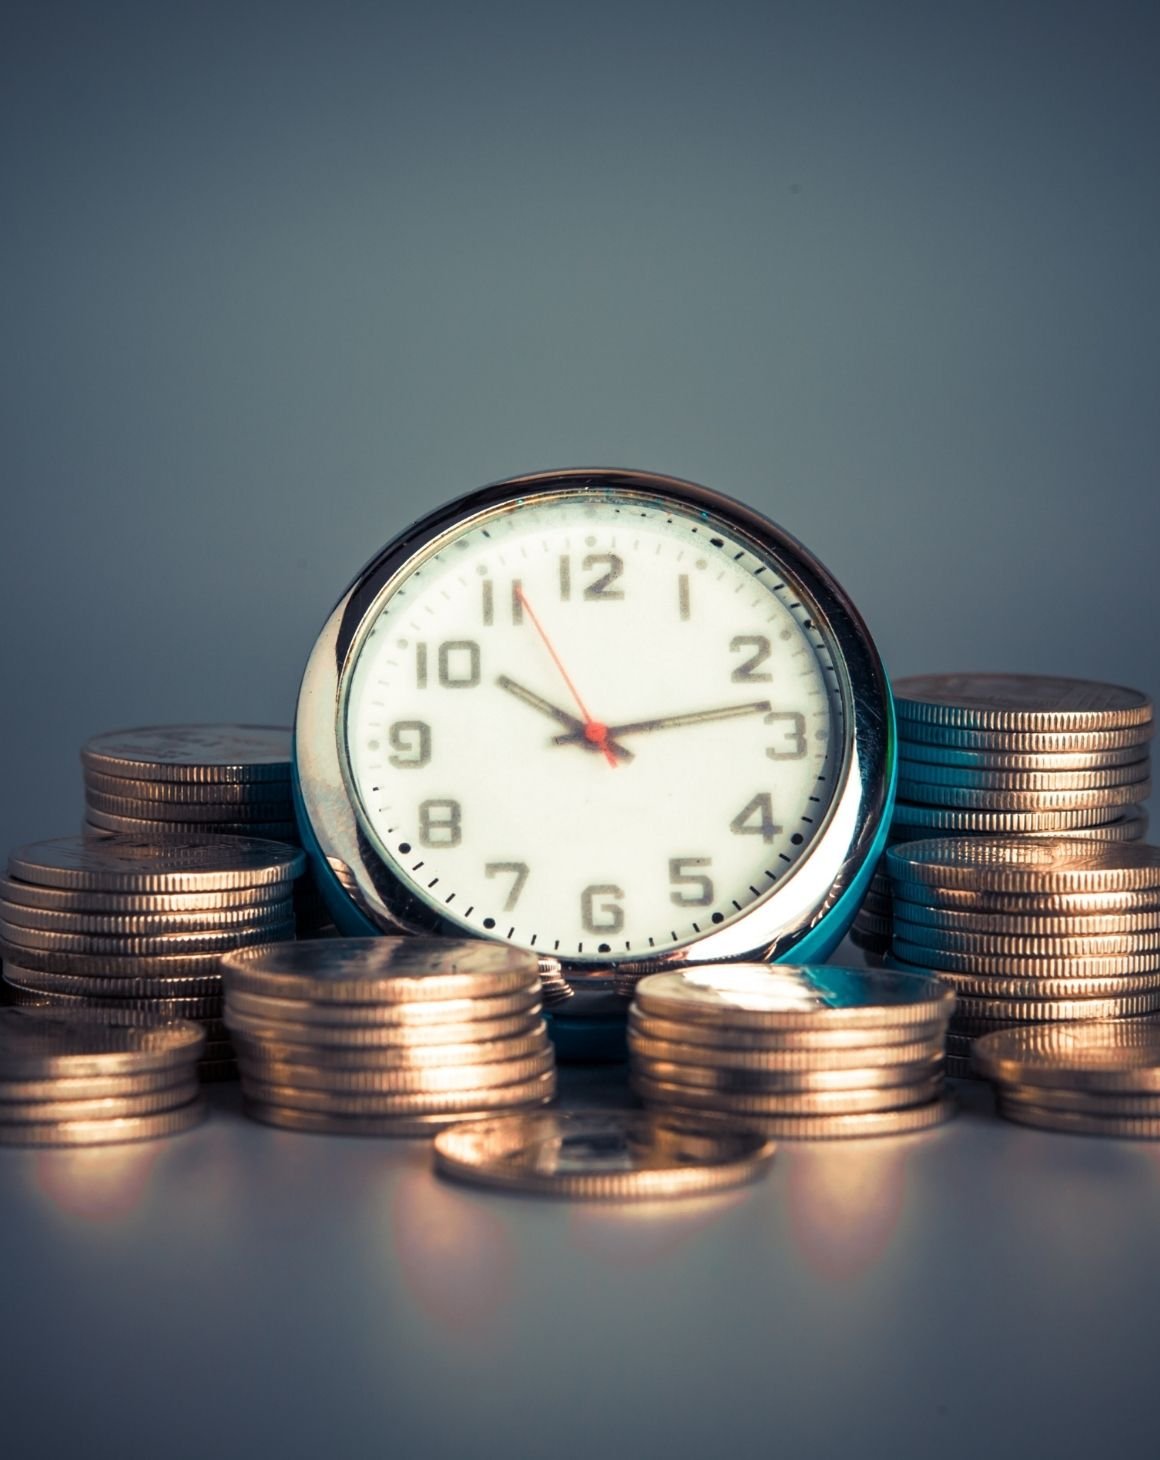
<point x="577" y="729"/>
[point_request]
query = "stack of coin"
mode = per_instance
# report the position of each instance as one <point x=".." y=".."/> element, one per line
<point x="137" y="928"/>
<point x="162" y="781"/>
<point x="1029" y="930"/>
<point x="799" y="1053"/>
<point x="387" y="1036"/>
<point x="1006" y="754"/>
<point x="78" y="1078"/>
<point x="1091" y="1079"/>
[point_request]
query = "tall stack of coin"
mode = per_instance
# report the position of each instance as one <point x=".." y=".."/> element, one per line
<point x="1006" y="754"/>
<point x="136" y="927"/>
<point x="1090" y="1079"/>
<point x="387" y="1036"/>
<point x="79" y="1078"/>
<point x="803" y="1053"/>
<point x="161" y="781"/>
<point x="1029" y="930"/>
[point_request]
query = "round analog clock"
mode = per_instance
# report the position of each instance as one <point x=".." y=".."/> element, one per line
<point x="613" y="717"/>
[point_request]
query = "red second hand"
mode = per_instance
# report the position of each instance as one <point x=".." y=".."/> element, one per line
<point x="594" y="730"/>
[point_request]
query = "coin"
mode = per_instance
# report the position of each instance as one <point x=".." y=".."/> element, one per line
<point x="1125" y="781"/>
<point x="105" y="1132"/>
<point x="108" y="1107"/>
<point x="1051" y="1010"/>
<point x="117" y="986"/>
<point x="382" y="969"/>
<point x="601" y="1155"/>
<point x="16" y="935"/>
<point x="254" y="902"/>
<point x="926" y="820"/>
<point x="192" y="753"/>
<point x="782" y="996"/>
<point x="1019" y="702"/>
<point x="1026" y="742"/>
<point x="378" y="1036"/>
<point x="778" y="1059"/>
<point x="1027" y="904"/>
<point x="538" y="1088"/>
<point x="246" y="794"/>
<point x="436" y="1080"/>
<point x="1020" y="802"/>
<point x="1015" y="864"/>
<point x="839" y="1127"/>
<point x="200" y="1009"/>
<point x="1090" y="1102"/>
<point x="37" y="1043"/>
<point x="94" y="1087"/>
<point x="725" y="1039"/>
<point x="317" y="1122"/>
<point x="914" y="753"/>
<point x="145" y="827"/>
<point x="1030" y="923"/>
<point x="121" y="808"/>
<point x="268" y="1009"/>
<point x="918" y="958"/>
<point x="759" y="1085"/>
<point x="150" y="925"/>
<point x="1123" y="1127"/>
<point x="1114" y="1058"/>
<point x="991" y="986"/>
<point x="132" y="864"/>
<point x="342" y="1068"/>
<point x="651" y="1084"/>
<point x="1037" y="945"/>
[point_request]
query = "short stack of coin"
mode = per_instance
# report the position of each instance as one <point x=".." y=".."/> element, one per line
<point x="137" y="928"/>
<point x="1090" y="1079"/>
<point x="78" y="1078"/>
<point x="387" y="1036"/>
<point x="1006" y="754"/>
<point x="1029" y="930"/>
<point x="161" y="781"/>
<point x="804" y="1053"/>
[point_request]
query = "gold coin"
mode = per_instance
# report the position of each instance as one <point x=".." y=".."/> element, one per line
<point x="329" y="1061"/>
<point x="785" y="997"/>
<point x="1016" y="864"/>
<point x="1011" y="945"/>
<point x="1022" y="966"/>
<point x="1019" y="702"/>
<point x="538" y="1088"/>
<point x="978" y="798"/>
<point x="382" y="969"/>
<point x="726" y="1038"/>
<point x="337" y="1037"/>
<point x="838" y="1127"/>
<point x="50" y="941"/>
<point x="610" y="1155"/>
<point x="1112" y="1057"/>
<point x="267" y="1009"/>
<point x="428" y="1079"/>
<point x="784" y="1061"/>
<point x="650" y="1085"/>
<point x="1029" y="923"/>
<point x="110" y="1131"/>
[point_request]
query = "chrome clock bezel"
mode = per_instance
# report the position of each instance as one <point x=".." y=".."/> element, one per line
<point x="806" y="914"/>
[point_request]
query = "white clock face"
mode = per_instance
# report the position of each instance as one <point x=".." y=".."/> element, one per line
<point x="594" y="726"/>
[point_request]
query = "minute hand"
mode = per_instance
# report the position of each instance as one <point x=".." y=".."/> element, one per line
<point x="690" y="717"/>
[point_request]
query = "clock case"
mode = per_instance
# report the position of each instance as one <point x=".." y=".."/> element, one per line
<point x="802" y="919"/>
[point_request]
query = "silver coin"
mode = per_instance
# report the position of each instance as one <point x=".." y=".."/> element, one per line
<point x="118" y="809"/>
<point x="244" y="902"/>
<point x="786" y="1064"/>
<point x="727" y="1038"/>
<point x="968" y="778"/>
<point x="266" y="1009"/>
<point x="1044" y="1011"/>
<point x="38" y="1043"/>
<point x="46" y="940"/>
<point x="121" y="985"/>
<point x="1084" y="1102"/>
<point x="160" y="966"/>
<point x="1017" y="864"/>
<point x="526" y="1092"/>
<point x="846" y="1126"/>
<point x="742" y="1085"/>
<point x="1019" y="702"/>
<point x="415" y="1080"/>
<point x="96" y="1087"/>
<point x="650" y="1084"/>
<point x="1036" y="945"/>
<point x="110" y="1131"/>
<point x="382" y="969"/>
<point x="918" y="752"/>
<point x="214" y="793"/>
<point x="782" y="996"/>
<point x="192" y="753"/>
<point x="1029" y="923"/>
<point x="1114" y="1058"/>
<point x="131" y="864"/>
<point x="1021" y="802"/>
<point x="612" y="1155"/>
<point x="530" y="1038"/>
<point x="165" y="831"/>
<point x="99" y="1107"/>
<point x="317" y="1122"/>
<point x="923" y="821"/>
<point x="199" y="1009"/>
<point x="150" y="925"/>
<point x="282" y="1034"/>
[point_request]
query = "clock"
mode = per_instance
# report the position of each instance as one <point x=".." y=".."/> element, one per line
<point x="613" y="717"/>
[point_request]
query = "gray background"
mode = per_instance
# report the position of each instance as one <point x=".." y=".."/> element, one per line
<point x="276" y="279"/>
